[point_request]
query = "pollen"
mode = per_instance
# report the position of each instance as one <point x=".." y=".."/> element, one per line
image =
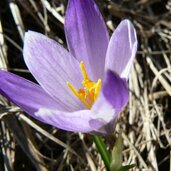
<point x="90" y="90"/>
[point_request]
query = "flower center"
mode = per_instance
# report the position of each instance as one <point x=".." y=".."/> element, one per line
<point x="90" y="91"/>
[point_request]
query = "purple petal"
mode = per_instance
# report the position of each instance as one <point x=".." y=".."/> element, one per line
<point x="115" y="90"/>
<point x="87" y="35"/>
<point x="122" y="49"/>
<point x="113" y="98"/>
<point x="53" y="66"/>
<point x="28" y="96"/>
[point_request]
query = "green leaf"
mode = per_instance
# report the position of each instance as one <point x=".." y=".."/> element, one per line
<point x="125" y="168"/>
<point x="116" y="162"/>
<point x="103" y="151"/>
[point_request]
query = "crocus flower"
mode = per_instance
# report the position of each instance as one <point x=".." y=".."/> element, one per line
<point x="80" y="90"/>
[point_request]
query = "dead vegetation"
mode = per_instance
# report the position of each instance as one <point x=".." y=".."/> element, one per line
<point x="27" y="144"/>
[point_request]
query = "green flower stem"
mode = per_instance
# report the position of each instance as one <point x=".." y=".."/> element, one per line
<point x="103" y="151"/>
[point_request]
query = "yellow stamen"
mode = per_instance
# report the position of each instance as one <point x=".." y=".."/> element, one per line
<point x="84" y="73"/>
<point x="98" y="87"/>
<point x="91" y="90"/>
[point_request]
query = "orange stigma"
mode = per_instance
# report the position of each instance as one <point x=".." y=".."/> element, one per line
<point x="90" y="91"/>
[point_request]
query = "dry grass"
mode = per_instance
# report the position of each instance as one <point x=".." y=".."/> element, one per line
<point x="27" y="144"/>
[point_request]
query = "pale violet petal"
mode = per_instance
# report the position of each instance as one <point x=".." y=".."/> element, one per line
<point x="122" y="49"/>
<point x="29" y="96"/>
<point x="70" y="121"/>
<point x="87" y="35"/>
<point x="53" y="67"/>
